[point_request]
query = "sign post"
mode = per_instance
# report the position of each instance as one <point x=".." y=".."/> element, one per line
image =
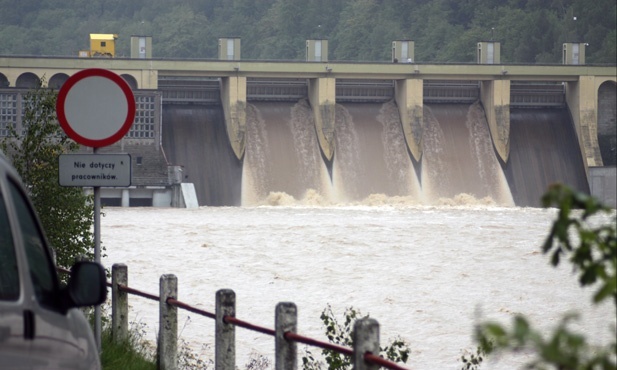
<point x="96" y="108"/>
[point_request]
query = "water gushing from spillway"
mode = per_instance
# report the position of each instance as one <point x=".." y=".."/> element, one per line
<point x="492" y="177"/>
<point x="371" y="156"/>
<point x="371" y="164"/>
<point x="458" y="162"/>
<point x="282" y="161"/>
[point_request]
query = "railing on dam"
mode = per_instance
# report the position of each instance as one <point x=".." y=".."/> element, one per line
<point x="366" y="330"/>
<point x="451" y="91"/>
<point x="267" y="89"/>
<point x="207" y="91"/>
<point x="537" y="95"/>
<point x="364" y="91"/>
<point x="190" y="90"/>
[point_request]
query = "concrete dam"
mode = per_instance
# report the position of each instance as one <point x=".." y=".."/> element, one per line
<point x="231" y="132"/>
<point x="371" y="161"/>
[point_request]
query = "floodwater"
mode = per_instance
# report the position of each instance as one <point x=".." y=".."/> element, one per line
<point x="428" y="249"/>
<point x="426" y="273"/>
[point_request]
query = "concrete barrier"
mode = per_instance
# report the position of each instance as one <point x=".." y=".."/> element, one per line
<point x="603" y="184"/>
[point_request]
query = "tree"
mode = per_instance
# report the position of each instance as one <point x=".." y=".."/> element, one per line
<point x="184" y="33"/>
<point x="65" y="212"/>
<point x="531" y="31"/>
<point x="592" y="250"/>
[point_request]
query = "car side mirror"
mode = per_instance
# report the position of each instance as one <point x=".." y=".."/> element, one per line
<point x="87" y="285"/>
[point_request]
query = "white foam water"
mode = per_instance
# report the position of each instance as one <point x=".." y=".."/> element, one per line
<point x="371" y="158"/>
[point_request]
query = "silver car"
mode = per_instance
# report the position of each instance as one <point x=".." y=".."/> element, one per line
<point x="41" y="326"/>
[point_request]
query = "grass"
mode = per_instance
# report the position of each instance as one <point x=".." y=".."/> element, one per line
<point x="132" y="354"/>
<point x="136" y="353"/>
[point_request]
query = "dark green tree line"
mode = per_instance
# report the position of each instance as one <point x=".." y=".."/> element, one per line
<point x="531" y="31"/>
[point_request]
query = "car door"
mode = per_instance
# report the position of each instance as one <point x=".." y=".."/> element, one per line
<point x="15" y="338"/>
<point x="59" y="337"/>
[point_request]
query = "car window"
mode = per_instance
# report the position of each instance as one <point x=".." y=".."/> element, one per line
<point x="9" y="276"/>
<point x="44" y="278"/>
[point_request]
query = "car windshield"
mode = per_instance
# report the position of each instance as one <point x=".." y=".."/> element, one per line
<point x="9" y="276"/>
<point x="42" y="271"/>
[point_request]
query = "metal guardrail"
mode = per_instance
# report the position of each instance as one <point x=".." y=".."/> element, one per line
<point x="259" y="89"/>
<point x="366" y="331"/>
<point x="451" y="91"/>
<point x="190" y="90"/>
<point x="537" y="95"/>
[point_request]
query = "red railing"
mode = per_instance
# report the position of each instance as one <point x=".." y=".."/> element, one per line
<point x="369" y="358"/>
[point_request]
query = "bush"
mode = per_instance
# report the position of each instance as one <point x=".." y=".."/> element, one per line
<point x="341" y="334"/>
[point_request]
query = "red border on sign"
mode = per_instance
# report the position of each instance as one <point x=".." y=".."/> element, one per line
<point x="66" y="125"/>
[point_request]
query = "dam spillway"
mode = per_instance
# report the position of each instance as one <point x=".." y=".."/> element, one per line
<point x="544" y="150"/>
<point x="459" y="157"/>
<point x="282" y="153"/>
<point x="371" y="157"/>
<point x="194" y="137"/>
<point x="282" y="161"/>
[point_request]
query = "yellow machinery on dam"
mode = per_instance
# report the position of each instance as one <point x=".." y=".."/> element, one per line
<point x="101" y="45"/>
<point x="233" y="84"/>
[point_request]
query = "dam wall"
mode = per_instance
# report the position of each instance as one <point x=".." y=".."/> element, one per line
<point x="384" y="142"/>
<point x="372" y="163"/>
<point x="603" y="182"/>
<point x="528" y="120"/>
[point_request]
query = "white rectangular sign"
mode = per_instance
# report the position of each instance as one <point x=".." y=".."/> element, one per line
<point x="104" y="170"/>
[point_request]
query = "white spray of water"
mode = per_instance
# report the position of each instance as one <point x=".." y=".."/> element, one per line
<point x="396" y="156"/>
<point x="491" y="174"/>
<point x="371" y="163"/>
<point x="459" y="162"/>
<point x="347" y="170"/>
<point x="282" y="159"/>
<point x="255" y="172"/>
<point x="435" y="176"/>
<point x="312" y="169"/>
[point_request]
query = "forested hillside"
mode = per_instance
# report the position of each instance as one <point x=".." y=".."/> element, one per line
<point x="530" y="31"/>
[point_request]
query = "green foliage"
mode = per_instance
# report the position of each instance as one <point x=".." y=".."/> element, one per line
<point x="531" y="31"/>
<point x="474" y="360"/>
<point x="66" y="213"/>
<point x="341" y="334"/>
<point x="592" y="250"/>
<point x="189" y="359"/>
<point x="257" y="362"/>
<point x="134" y="354"/>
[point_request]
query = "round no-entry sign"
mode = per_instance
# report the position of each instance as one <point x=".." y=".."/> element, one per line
<point x="95" y="107"/>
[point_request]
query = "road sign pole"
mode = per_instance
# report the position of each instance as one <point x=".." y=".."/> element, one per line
<point x="96" y="108"/>
<point x="97" y="258"/>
